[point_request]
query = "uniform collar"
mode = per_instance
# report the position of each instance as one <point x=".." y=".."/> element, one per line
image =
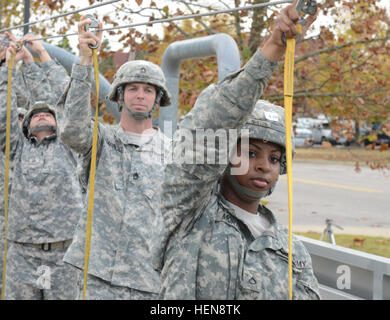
<point x="123" y="136"/>
<point x="48" y="138"/>
<point x="261" y="209"/>
<point x="273" y="238"/>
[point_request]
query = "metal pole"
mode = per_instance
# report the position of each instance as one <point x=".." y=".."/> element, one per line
<point x="26" y="16"/>
<point x="220" y="45"/>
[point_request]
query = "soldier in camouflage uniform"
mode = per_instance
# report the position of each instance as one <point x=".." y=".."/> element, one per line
<point x="55" y="74"/>
<point x="45" y="201"/>
<point x="221" y="243"/>
<point x="127" y="222"/>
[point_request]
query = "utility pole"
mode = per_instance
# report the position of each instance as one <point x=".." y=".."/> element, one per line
<point x="26" y="16"/>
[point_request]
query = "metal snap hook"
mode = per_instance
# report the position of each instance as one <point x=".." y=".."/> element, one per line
<point x="94" y="25"/>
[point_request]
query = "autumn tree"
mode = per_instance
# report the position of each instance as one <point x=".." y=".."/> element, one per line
<point x="342" y="69"/>
<point x="11" y="12"/>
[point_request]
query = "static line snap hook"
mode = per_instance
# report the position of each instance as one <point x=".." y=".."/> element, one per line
<point x="5" y="42"/>
<point x="19" y="45"/>
<point x="94" y="25"/>
<point x="303" y="7"/>
<point x="309" y="7"/>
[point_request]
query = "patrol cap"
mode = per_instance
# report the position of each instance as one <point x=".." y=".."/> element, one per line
<point x="140" y="71"/>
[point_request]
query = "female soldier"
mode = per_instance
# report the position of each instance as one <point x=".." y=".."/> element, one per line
<point x="228" y="246"/>
<point x="221" y="244"/>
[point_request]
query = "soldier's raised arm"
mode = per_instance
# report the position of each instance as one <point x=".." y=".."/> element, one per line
<point x="21" y="91"/>
<point x="16" y="133"/>
<point x="74" y="105"/>
<point x="55" y="73"/>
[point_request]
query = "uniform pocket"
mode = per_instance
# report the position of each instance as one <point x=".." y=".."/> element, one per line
<point x="307" y="290"/>
<point x="305" y="285"/>
<point x="250" y="285"/>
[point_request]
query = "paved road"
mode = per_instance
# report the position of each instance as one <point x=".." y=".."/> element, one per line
<point x="359" y="202"/>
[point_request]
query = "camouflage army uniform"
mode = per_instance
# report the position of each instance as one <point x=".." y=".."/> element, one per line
<point x="18" y="84"/>
<point x="22" y="97"/>
<point x="210" y="254"/>
<point x="127" y="221"/>
<point x="20" y="89"/>
<point x="44" y="205"/>
<point x="57" y="80"/>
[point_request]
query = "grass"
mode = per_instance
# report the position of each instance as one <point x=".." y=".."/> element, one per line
<point x="374" y="245"/>
<point x="347" y="154"/>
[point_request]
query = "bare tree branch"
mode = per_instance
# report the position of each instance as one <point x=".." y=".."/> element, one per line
<point x="335" y="48"/>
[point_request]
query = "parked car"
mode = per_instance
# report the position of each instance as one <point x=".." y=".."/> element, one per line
<point x="383" y="138"/>
<point x="303" y="135"/>
<point x="377" y="136"/>
<point x="327" y="134"/>
<point x="320" y="129"/>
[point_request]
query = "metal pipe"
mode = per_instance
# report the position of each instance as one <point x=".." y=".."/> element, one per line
<point x="228" y="58"/>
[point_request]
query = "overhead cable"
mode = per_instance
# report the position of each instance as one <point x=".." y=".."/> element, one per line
<point x="183" y="17"/>
<point x="60" y="15"/>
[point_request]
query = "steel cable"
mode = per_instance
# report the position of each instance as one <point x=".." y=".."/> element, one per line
<point x="183" y="17"/>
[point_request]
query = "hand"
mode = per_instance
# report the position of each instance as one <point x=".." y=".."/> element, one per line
<point x="23" y="53"/>
<point x="4" y="45"/>
<point x="36" y="46"/>
<point x="86" y="38"/>
<point x="285" y="24"/>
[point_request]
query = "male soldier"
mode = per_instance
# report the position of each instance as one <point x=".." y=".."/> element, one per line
<point x="221" y="244"/>
<point x="127" y="222"/>
<point x="45" y="202"/>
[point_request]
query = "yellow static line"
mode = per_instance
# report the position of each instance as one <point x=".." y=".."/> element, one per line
<point x="339" y="186"/>
<point x="92" y="174"/>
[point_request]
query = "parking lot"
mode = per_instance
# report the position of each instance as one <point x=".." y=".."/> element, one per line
<point x="310" y="132"/>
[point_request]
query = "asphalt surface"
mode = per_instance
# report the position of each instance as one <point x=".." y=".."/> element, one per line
<point x="358" y="202"/>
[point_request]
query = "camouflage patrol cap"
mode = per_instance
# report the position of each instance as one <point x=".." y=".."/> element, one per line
<point x="267" y="123"/>
<point x="140" y="71"/>
<point x="39" y="106"/>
